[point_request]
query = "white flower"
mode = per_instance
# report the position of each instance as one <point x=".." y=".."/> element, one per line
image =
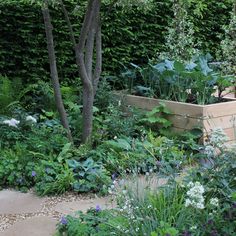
<point x="11" y="122"/>
<point x="195" y="195"/>
<point x="190" y="184"/>
<point x="199" y="205"/>
<point x="214" y="202"/>
<point x="31" y="118"/>
<point x="188" y="91"/>
<point x="193" y="227"/>
<point x="188" y="202"/>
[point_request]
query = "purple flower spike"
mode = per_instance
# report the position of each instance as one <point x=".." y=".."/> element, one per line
<point x="63" y="220"/>
<point x="33" y="174"/>
<point x="98" y="208"/>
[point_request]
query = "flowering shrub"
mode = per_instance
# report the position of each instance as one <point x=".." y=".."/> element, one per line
<point x="204" y="205"/>
<point x="195" y="195"/>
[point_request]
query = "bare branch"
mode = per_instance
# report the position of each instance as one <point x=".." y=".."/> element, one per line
<point x="81" y="45"/>
<point x="98" y="66"/>
<point x="67" y="18"/>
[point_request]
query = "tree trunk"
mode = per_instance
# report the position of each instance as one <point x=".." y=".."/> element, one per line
<point x="89" y="41"/>
<point x="88" y="99"/>
<point x="53" y="69"/>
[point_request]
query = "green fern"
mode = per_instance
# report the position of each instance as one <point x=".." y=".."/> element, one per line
<point x="7" y="93"/>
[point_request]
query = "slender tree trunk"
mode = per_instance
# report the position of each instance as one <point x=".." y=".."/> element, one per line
<point x="53" y="69"/>
<point x="88" y="99"/>
<point x="89" y="42"/>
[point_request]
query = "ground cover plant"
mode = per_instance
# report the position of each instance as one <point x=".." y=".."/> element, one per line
<point x="35" y="152"/>
<point x="201" y="202"/>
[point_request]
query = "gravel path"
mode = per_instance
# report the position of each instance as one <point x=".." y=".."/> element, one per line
<point x="46" y="209"/>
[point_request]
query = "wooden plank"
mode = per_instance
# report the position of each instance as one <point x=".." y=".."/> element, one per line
<point x="184" y="122"/>
<point x="224" y="122"/>
<point x="179" y="108"/>
<point x="230" y="133"/>
<point x="220" y="109"/>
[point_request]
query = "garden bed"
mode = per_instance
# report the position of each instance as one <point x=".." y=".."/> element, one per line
<point x="188" y="116"/>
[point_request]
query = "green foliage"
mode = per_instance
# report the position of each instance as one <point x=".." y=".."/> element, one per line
<point x="94" y="223"/>
<point x="193" y="82"/>
<point x="16" y="166"/>
<point x="53" y="177"/>
<point x="228" y="44"/>
<point x="139" y="155"/>
<point x="8" y="93"/>
<point x="165" y="229"/>
<point x="137" y="35"/>
<point x="89" y="175"/>
<point x="180" y="42"/>
<point x="161" y="211"/>
<point x="158" y="117"/>
<point x="37" y="97"/>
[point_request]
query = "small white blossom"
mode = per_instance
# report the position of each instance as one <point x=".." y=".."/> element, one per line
<point x="214" y="202"/>
<point x="193" y="227"/>
<point x="31" y="118"/>
<point x="12" y="122"/>
<point x="195" y="195"/>
<point x="199" y="205"/>
<point x="188" y="202"/>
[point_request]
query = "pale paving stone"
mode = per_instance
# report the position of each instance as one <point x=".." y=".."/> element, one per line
<point x="36" y="226"/>
<point x="142" y="182"/>
<point x="83" y="205"/>
<point x="13" y="202"/>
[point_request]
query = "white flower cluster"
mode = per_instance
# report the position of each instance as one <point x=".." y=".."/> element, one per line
<point x="214" y="202"/>
<point x="31" y="118"/>
<point x="195" y="195"/>
<point x="13" y="122"/>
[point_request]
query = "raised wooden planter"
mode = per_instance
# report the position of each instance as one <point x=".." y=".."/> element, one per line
<point x="188" y="116"/>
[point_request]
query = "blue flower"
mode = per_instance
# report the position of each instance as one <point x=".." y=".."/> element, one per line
<point x="33" y="174"/>
<point x="98" y="208"/>
<point x="63" y="220"/>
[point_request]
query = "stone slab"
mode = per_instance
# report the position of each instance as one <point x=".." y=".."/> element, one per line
<point x="13" y="202"/>
<point x="36" y="226"/>
<point x="142" y="182"/>
<point x="83" y="205"/>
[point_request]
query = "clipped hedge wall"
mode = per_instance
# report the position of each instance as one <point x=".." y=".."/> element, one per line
<point x="132" y="36"/>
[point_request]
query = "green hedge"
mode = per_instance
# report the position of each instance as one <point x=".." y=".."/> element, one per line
<point x="132" y="36"/>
